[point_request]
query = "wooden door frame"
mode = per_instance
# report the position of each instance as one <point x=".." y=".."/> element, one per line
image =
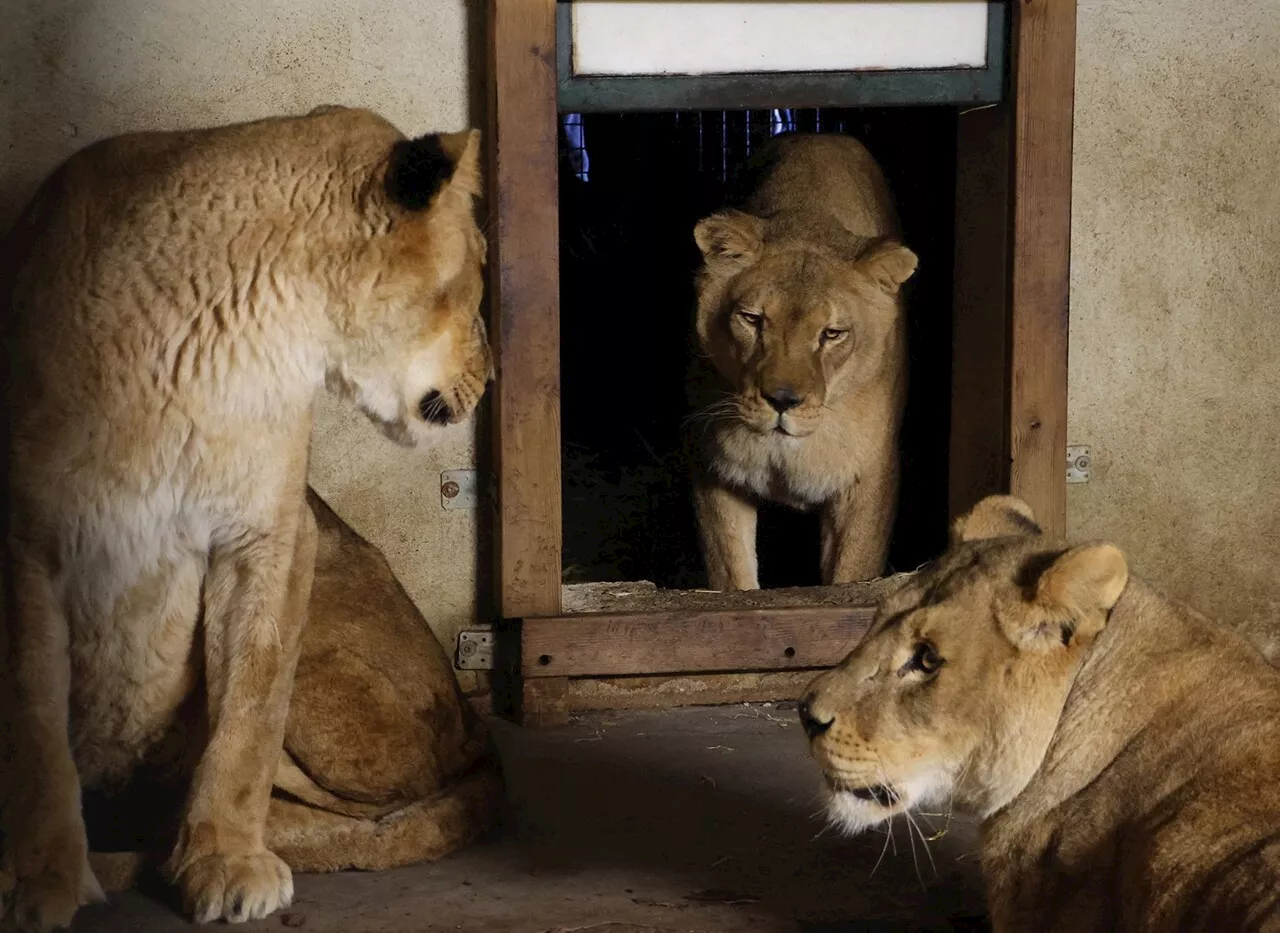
<point x="1009" y="399"/>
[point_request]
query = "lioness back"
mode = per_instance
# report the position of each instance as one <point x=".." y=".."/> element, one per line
<point x="826" y="175"/>
<point x="167" y="249"/>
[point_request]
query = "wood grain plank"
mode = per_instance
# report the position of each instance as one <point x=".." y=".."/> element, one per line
<point x="670" y="692"/>
<point x="643" y="596"/>
<point x="618" y="644"/>
<point x="979" y="448"/>
<point x="1044" y="33"/>
<point x="524" y="294"/>
<point x="544" y="701"/>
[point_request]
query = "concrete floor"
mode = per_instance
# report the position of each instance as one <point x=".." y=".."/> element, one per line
<point x="697" y="821"/>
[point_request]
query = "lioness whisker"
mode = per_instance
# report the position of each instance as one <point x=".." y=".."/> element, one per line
<point x="924" y="842"/>
<point x="911" y="840"/>
<point x="888" y="836"/>
<point x="951" y="802"/>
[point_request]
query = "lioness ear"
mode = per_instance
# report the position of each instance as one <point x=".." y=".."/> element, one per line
<point x="464" y="149"/>
<point x="995" y="517"/>
<point x="419" y="168"/>
<point x="1085" y="580"/>
<point x="888" y="263"/>
<point x="730" y="239"/>
<point x="1073" y="597"/>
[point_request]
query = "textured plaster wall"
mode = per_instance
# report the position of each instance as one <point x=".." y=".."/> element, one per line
<point x="1175" y="322"/>
<point x="1175" y="294"/>
<point x="73" y="71"/>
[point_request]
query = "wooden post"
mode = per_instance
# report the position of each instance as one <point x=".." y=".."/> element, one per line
<point x="1044" y="46"/>
<point x="979" y="459"/>
<point x="525" y="295"/>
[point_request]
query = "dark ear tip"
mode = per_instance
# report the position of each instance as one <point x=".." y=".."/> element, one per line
<point x="1028" y="525"/>
<point x="417" y="170"/>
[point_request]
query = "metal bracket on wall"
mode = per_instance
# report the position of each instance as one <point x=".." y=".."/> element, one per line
<point x="475" y="650"/>
<point x="459" y="489"/>
<point x="1078" y="464"/>
<point x="491" y="648"/>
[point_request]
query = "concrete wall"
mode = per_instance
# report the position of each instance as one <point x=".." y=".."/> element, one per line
<point x="73" y="71"/>
<point x="1175" y="294"/>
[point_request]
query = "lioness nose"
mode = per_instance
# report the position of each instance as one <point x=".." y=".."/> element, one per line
<point x="783" y="399"/>
<point x="434" y="408"/>
<point x="813" y="726"/>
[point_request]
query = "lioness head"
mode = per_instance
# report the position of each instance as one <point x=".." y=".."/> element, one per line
<point x="413" y="352"/>
<point x="956" y="690"/>
<point x="791" y="325"/>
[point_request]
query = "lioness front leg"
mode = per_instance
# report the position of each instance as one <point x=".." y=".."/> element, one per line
<point x="43" y="845"/>
<point x="255" y="606"/>
<point x="727" y="530"/>
<point x="856" y="527"/>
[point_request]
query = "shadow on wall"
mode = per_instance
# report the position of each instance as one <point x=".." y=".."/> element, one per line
<point x="486" y="594"/>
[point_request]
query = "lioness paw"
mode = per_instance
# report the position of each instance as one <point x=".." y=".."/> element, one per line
<point x="236" y="888"/>
<point x="48" y="898"/>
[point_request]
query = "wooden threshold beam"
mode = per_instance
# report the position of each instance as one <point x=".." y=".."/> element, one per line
<point x="706" y="641"/>
<point x="671" y="691"/>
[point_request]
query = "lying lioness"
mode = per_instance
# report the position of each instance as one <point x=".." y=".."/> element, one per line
<point x="175" y="301"/>
<point x="803" y="334"/>
<point x="1122" y="749"/>
<point x="384" y="762"/>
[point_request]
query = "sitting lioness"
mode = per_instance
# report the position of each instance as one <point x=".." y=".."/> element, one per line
<point x="175" y="302"/>
<point x="800" y="319"/>
<point x="1122" y="749"/>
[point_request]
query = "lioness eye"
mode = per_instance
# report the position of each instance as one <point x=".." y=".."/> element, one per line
<point x="832" y="334"/>
<point x="751" y="317"/>
<point x="925" y="659"/>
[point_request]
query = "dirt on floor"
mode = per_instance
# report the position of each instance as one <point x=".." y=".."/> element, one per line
<point x="686" y="821"/>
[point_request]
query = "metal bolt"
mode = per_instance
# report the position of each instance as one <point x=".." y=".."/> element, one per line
<point x="1082" y="463"/>
<point x="450" y="490"/>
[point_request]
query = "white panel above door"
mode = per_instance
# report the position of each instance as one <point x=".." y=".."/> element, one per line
<point x="705" y="37"/>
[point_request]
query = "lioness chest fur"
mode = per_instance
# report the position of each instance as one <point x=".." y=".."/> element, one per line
<point x="801" y="386"/>
<point x="1121" y="748"/>
<point x="175" y="301"/>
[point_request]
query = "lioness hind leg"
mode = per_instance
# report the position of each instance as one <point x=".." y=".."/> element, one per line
<point x="44" y="862"/>
<point x="255" y="609"/>
<point x="313" y="840"/>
